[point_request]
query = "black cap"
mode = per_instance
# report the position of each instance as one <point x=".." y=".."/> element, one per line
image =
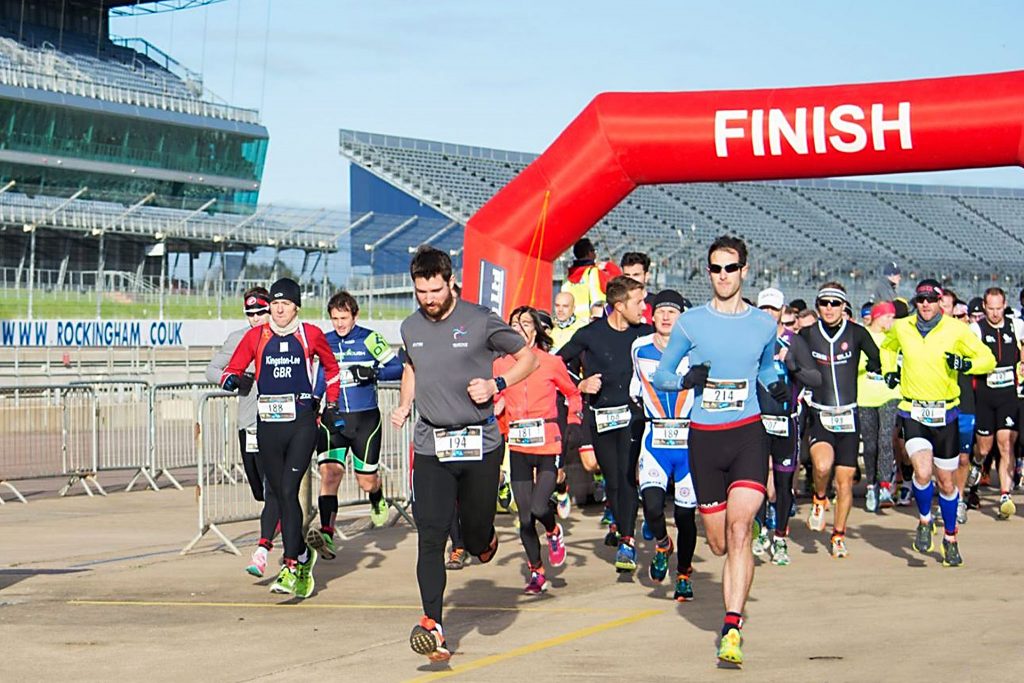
<point x="669" y="297"/>
<point x="976" y="305"/>
<point x="929" y="287"/>
<point x="287" y="289"/>
<point x="583" y="248"/>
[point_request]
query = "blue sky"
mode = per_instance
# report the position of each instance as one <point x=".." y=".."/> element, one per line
<point x="513" y="74"/>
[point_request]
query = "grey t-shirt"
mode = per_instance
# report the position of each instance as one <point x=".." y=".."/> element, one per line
<point x="446" y="355"/>
<point x="220" y="360"/>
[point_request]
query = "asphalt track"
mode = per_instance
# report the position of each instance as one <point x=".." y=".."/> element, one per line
<point x="95" y="589"/>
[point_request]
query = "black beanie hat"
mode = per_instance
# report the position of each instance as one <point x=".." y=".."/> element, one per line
<point x="287" y="289"/>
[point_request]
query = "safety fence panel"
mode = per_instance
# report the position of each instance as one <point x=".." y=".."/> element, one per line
<point x="32" y="425"/>
<point x="81" y="438"/>
<point x="395" y="452"/>
<point x="173" y="431"/>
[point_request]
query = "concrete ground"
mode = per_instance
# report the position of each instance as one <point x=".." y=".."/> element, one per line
<point x="95" y="589"/>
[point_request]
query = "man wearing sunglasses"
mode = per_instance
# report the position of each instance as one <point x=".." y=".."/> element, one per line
<point x="731" y="347"/>
<point x="935" y="348"/>
<point x="837" y="345"/>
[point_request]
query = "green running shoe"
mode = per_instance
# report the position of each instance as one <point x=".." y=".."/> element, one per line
<point x="684" y="588"/>
<point x="379" y="513"/>
<point x="304" y="576"/>
<point x="729" y="648"/>
<point x="923" y="541"/>
<point x="505" y="497"/>
<point x="285" y="582"/>
<point x="322" y="542"/>
<point x="951" y="553"/>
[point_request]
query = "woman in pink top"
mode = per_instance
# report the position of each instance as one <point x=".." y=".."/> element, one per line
<point x="535" y="441"/>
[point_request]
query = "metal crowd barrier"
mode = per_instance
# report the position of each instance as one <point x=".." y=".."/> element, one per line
<point x="32" y="422"/>
<point x="173" y="432"/>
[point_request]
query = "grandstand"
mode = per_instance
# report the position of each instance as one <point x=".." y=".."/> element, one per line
<point x="800" y="232"/>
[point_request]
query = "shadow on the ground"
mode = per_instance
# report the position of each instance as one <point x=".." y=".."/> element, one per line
<point x="9" y="577"/>
<point x="896" y="542"/>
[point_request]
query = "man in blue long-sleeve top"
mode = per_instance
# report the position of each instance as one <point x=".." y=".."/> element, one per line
<point x="731" y="345"/>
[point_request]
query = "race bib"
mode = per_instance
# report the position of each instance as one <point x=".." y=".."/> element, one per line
<point x="280" y="408"/>
<point x="724" y="394"/>
<point x="929" y="413"/>
<point x="670" y="433"/>
<point x="838" y="421"/>
<point x="610" y="419"/>
<point x="776" y="425"/>
<point x="251" y="446"/>
<point x="1000" y="378"/>
<point x="526" y="432"/>
<point x="459" y="445"/>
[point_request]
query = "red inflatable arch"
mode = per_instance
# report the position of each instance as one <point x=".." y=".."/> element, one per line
<point x="622" y="140"/>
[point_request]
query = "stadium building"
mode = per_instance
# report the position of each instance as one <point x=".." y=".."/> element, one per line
<point x="800" y="232"/>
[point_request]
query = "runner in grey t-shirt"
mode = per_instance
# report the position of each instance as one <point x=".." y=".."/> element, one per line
<point x="450" y="347"/>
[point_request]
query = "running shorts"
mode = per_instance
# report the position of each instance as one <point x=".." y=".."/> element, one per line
<point x="845" y="445"/>
<point x="995" y="412"/>
<point x="360" y="436"/>
<point x="944" y="441"/>
<point x="660" y="467"/>
<point x="726" y="456"/>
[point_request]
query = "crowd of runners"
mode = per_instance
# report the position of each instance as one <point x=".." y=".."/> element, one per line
<point x="716" y="408"/>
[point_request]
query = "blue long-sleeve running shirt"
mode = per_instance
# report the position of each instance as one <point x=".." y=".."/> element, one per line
<point x="361" y="347"/>
<point x="739" y="349"/>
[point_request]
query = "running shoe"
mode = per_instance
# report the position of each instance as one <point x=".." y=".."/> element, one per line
<point x="1006" y="507"/>
<point x="379" y="513"/>
<point x="659" y="563"/>
<point x="611" y="539"/>
<point x="625" y="558"/>
<point x="304" y="582"/>
<point x="563" y="505"/>
<point x="285" y="581"/>
<point x="607" y="518"/>
<point x="905" y="496"/>
<point x="770" y="517"/>
<point x="538" y="584"/>
<point x="973" y="501"/>
<point x="923" y="541"/>
<point x="556" y="547"/>
<point x="645" y="530"/>
<point x="885" y="500"/>
<point x="258" y="565"/>
<point x="427" y="639"/>
<point x="839" y="546"/>
<point x="759" y="545"/>
<point x="729" y="647"/>
<point x="684" y="588"/>
<point x="457" y="559"/>
<point x="871" y="500"/>
<point x="505" y="496"/>
<point x="973" y="476"/>
<point x="816" y="520"/>
<point x="961" y="511"/>
<point x="322" y="542"/>
<point x="492" y="549"/>
<point x="780" y="552"/>
<point x="599" y="491"/>
<point x="951" y="553"/>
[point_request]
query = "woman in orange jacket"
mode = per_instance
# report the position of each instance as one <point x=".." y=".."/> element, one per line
<point x="535" y="441"/>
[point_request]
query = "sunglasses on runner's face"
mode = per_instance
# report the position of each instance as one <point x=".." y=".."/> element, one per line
<point x="715" y="268"/>
<point x="831" y="303"/>
<point x="789" y="323"/>
<point x="253" y="315"/>
<point x="928" y="299"/>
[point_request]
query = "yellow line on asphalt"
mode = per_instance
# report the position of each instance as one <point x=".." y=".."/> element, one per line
<point x="321" y="605"/>
<point x="539" y="645"/>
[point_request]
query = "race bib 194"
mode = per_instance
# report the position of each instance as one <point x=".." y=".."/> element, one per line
<point x="459" y="445"/>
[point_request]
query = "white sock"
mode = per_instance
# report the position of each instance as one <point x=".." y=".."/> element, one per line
<point x="304" y="557"/>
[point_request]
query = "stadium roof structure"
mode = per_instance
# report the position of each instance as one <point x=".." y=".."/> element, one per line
<point x="822" y="226"/>
<point x="132" y="7"/>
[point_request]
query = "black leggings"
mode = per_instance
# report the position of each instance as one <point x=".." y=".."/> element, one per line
<point x="617" y="455"/>
<point x="686" y="525"/>
<point x="783" y="501"/>
<point x="286" y="449"/>
<point x="437" y="488"/>
<point x="533" y="498"/>
<point x="270" y="516"/>
<point x="456" y="531"/>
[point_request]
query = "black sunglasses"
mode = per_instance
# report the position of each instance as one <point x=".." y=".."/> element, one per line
<point x="715" y="269"/>
<point x="831" y="303"/>
<point x="253" y="315"/>
<point x="928" y="299"/>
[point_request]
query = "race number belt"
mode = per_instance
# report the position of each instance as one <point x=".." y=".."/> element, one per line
<point x="251" y="445"/>
<point x="838" y="420"/>
<point x="526" y="432"/>
<point x="609" y="419"/>
<point x="277" y="408"/>
<point x="1000" y="378"/>
<point x="929" y="413"/>
<point x="724" y="394"/>
<point x="776" y="425"/>
<point x="670" y="433"/>
<point x="459" y="445"/>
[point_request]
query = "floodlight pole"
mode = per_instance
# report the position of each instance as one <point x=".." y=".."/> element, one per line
<point x="31" y="228"/>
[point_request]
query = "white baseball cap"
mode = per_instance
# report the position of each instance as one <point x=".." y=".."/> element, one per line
<point x="771" y="298"/>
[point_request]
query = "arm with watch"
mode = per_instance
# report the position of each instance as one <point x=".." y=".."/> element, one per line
<point x="483" y="390"/>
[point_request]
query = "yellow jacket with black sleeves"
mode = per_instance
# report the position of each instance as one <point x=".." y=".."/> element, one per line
<point x="925" y="375"/>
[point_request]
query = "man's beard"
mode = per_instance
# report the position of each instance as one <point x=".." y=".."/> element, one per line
<point x="443" y="309"/>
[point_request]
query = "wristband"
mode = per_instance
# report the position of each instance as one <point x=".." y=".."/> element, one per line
<point x="500" y="383"/>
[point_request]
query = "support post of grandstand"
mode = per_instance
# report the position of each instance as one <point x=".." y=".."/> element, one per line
<point x="31" y="228"/>
<point x="372" y="248"/>
<point x="101" y="233"/>
<point x="276" y="242"/>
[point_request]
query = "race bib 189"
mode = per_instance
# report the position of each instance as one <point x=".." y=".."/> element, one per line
<point x="670" y="433"/>
<point x="277" y="408"/>
<point x="459" y="445"/>
<point x="724" y="394"/>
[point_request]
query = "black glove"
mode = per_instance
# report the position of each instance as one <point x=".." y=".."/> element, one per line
<point x="892" y="379"/>
<point x="697" y="376"/>
<point x="958" y="363"/>
<point x="779" y="391"/>
<point x="873" y="366"/>
<point x="331" y="419"/>
<point x="363" y="374"/>
<point x="240" y="383"/>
